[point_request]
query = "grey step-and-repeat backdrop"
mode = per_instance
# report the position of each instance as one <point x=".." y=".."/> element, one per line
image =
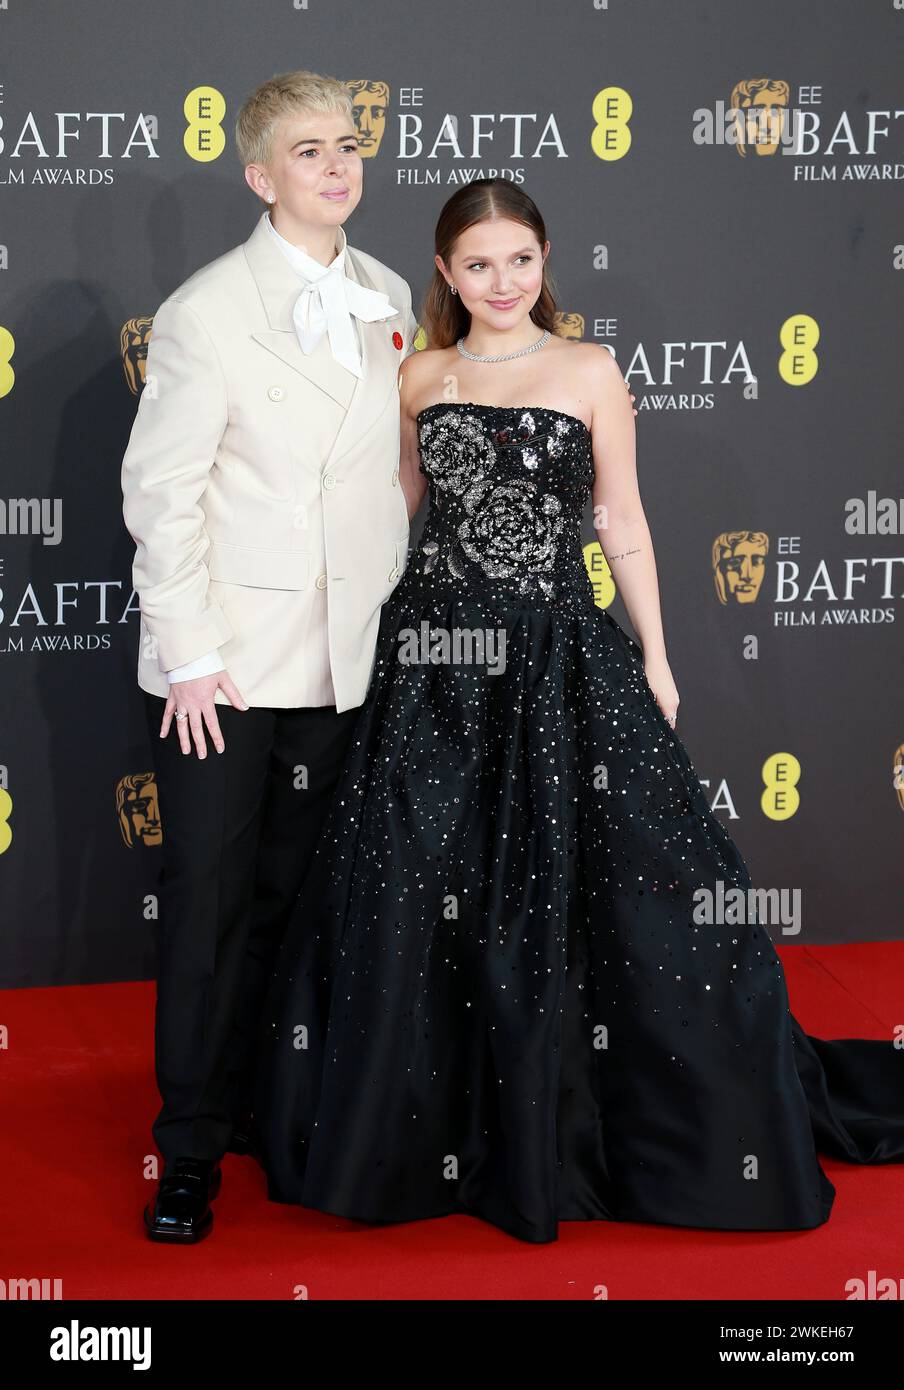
<point x="722" y="184"/>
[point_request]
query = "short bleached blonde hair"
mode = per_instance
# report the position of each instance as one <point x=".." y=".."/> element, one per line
<point x="285" y="95"/>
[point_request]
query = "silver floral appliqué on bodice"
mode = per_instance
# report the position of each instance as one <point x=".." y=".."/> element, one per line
<point x="506" y="501"/>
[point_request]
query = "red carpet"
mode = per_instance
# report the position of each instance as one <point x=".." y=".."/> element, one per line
<point x="78" y="1097"/>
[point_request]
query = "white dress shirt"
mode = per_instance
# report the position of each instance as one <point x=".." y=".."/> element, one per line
<point x="328" y="303"/>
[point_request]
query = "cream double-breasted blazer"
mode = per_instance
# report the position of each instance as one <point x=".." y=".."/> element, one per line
<point x="261" y="484"/>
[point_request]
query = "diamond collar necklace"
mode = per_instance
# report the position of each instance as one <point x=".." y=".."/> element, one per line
<point x="502" y="356"/>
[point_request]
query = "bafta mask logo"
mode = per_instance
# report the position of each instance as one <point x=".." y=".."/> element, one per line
<point x="761" y="105"/>
<point x="569" y="325"/>
<point x="600" y="574"/>
<point x="370" y="101"/>
<point x="739" y="561"/>
<point x="137" y="810"/>
<point x="898" y="775"/>
<point x="133" y="345"/>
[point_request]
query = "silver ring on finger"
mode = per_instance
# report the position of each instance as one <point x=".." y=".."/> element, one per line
<point x="181" y="714"/>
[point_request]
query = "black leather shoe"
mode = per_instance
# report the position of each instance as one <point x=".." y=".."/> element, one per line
<point x="181" y="1211"/>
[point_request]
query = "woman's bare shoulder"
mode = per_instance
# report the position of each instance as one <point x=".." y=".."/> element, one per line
<point x="422" y="376"/>
<point x="601" y="372"/>
<point x="595" y="356"/>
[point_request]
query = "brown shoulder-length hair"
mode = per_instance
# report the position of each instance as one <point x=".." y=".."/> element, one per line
<point x="444" y="317"/>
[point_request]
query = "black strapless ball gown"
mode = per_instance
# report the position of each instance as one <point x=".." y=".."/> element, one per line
<point x="494" y="996"/>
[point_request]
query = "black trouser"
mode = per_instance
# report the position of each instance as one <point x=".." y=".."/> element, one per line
<point x="239" y="831"/>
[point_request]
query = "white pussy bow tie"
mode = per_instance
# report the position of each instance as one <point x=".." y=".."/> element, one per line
<point x="328" y="300"/>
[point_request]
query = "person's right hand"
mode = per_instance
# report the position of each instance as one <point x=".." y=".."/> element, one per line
<point x="196" y="698"/>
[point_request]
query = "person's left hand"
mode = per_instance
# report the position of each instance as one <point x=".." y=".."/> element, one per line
<point x="659" y="679"/>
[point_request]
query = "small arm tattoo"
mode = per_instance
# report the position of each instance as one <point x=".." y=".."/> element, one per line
<point x="624" y="553"/>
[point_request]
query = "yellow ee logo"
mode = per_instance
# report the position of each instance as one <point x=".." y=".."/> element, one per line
<point x="600" y="574"/>
<point x="798" y="363"/>
<point x="781" y="774"/>
<point x="7" y="375"/>
<point x="612" y="110"/>
<point x="204" y="138"/>
<point x="6" y="805"/>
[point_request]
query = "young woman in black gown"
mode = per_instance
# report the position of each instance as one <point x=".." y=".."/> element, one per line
<point x="495" y="996"/>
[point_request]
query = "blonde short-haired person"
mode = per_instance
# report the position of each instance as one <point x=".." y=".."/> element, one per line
<point x="261" y="488"/>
